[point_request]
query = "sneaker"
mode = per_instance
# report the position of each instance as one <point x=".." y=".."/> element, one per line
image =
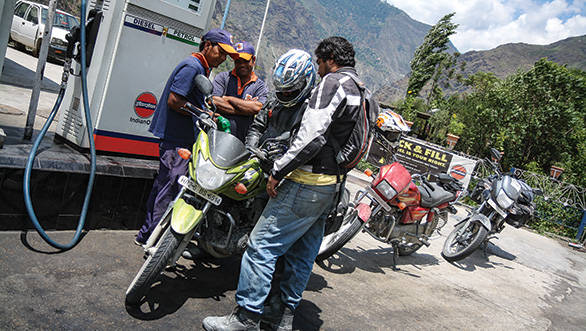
<point x="138" y="243"/>
<point x="239" y="320"/>
<point x="191" y="252"/>
<point x="286" y="322"/>
<point x="277" y="316"/>
<point x="273" y="310"/>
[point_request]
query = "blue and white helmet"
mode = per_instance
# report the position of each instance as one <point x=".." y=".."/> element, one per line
<point x="293" y="77"/>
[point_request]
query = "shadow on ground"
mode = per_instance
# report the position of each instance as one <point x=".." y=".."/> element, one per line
<point x="213" y="279"/>
<point x="17" y="75"/>
<point x="376" y="260"/>
<point x="481" y="259"/>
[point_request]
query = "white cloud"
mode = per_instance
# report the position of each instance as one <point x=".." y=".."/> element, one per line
<point x="485" y="24"/>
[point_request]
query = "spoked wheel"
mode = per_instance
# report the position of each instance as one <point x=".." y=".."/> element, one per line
<point x="405" y="250"/>
<point x="153" y="266"/>
<point x="337" y="239"/>
<point x="463" y="240"/>
<point x="408" y="250"/>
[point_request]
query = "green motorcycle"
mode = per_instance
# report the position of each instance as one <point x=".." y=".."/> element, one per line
<point x="217" y="205"/>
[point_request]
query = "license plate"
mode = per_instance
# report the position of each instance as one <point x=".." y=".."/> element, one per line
<point x="195" y="188"/>
<point x="497" y="208"/>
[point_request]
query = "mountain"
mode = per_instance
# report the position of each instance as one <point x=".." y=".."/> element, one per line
<point x="505" y="60"/>
<point x="383" y="36"/>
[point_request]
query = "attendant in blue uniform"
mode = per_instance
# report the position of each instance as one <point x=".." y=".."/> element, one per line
<point x="239" y="94"/>
<point x="176" y="128"/>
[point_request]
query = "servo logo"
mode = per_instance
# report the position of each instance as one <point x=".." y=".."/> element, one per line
<point x="458" y="172"/>
<point x="145" y="104"/>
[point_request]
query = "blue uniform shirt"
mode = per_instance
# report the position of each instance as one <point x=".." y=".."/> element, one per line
<point x="227" y="83"/>
<point x="169" y="125"/>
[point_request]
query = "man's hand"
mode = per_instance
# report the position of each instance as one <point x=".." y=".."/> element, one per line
<point x="272" y="187"/>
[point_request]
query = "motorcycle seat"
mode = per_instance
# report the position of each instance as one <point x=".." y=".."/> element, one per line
<point x="431" y="198"/>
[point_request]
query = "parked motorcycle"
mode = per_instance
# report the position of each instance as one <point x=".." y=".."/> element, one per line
<point x="218" y="203"/>
<point x="503" y="199"/>
<point x="394" y="209"/>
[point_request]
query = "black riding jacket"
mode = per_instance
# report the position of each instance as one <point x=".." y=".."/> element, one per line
<point x="273" y="120"/>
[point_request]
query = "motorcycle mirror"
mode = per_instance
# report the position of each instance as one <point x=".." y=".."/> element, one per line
<point x="538" y="191"/>
<point x="203" y="84"/>
<point x="495" y="154"/>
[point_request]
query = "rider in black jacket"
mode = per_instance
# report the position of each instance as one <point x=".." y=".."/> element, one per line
<point x="285" y="108"/>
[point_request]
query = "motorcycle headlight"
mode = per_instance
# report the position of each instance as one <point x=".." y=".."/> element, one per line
<point x="503" y="200"/>
<point x="386" y="190"/>
<point x="209" y="176"/>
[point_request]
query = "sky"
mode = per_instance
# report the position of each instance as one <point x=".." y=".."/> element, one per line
<point x="486" y="24"/>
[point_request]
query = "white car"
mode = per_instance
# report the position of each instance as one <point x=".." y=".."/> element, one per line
<point x="28" y="24"/>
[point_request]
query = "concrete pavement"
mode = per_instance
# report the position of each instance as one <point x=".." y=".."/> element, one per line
<point x="527" y="282"/>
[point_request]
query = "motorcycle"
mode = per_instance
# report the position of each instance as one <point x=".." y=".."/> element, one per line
<point x="503" y="199"/>
<point x="393" y="209"/>
<point x="218" y="203"/>
<point x="220" y="199"/>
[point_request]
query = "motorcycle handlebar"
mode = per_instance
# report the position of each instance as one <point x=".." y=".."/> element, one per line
<point x="258" y="153"/>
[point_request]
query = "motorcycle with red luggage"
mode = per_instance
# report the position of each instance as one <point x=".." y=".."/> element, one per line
<point x="397" y="208"/>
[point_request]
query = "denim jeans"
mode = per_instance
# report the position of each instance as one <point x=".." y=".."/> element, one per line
<point x="292" y="226"/>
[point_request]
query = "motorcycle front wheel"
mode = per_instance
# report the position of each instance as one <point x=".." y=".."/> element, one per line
<point x="337" y="239"/>
<point x="463" y="241"/>
<point x="153" y="266"/>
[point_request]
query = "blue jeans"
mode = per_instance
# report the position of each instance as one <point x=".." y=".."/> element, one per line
<point x="292" y="226"/>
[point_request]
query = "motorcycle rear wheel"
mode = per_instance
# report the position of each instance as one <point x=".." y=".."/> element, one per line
<point x="463" y="242"/>
<point x="153" y="266"/>
<point x="414" y="247"/>
<point x="337" y="239"/>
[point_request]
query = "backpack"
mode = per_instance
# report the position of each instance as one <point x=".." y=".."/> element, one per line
<point x="358" y="143"/>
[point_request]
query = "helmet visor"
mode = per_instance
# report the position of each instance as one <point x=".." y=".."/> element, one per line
<point x="286" y="96"/>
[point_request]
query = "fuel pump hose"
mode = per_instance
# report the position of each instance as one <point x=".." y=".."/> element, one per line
<point x="32" y="154"/>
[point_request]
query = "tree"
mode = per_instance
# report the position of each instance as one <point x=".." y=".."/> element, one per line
<point x="430" y="58"/>
<point x="537" y="117"/>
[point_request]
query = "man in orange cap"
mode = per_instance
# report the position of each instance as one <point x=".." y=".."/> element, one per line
<point x="239" y="94"/>
<point x="175" y="127"/>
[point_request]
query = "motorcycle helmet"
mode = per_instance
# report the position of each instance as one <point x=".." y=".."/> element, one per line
<point x="293" y="77"/>
<point x="392" y="125"/>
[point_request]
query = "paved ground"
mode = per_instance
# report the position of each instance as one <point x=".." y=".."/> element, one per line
<point x="527" y="282"/>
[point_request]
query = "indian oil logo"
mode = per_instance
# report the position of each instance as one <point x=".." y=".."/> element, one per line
<point x="145" y="104"/>
<point x="458" y="172"/>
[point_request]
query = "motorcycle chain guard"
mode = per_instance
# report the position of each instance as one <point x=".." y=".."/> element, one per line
<point x="184" y="217"/>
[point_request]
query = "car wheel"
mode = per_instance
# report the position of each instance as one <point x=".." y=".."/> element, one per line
<point x="37" y="49"/>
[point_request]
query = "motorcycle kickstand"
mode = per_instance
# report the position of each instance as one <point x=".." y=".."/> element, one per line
<point x="395" y="246"/>
<point x="485" y="248"/>
<point x="485" y="245"/>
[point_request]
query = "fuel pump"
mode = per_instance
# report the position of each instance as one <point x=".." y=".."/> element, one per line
<point x="137" y="46"/>
<point x="124" y="55"/>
